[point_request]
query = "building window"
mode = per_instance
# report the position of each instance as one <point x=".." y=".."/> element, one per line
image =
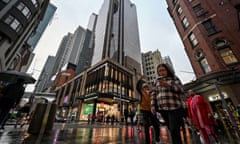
<point x="24" y="9"/>
<point x="185" y="22"/>
<point x="210" y="27"/>
<point x="35" y="3"/>
<point x="199" y="11"/>
<point x="227" y="56"/>
<point x="204" y="64"/>
<point x="179" y="10"/>
<point x="193" y="39"/>
<point x="238" y="14"/>
<point x="13" y="23"/>
<point x="6" y="1"/>
<point x="174" y="1"/>
<point x="199" y="54"/>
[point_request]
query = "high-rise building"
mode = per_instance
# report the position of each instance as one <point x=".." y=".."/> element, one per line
<point x="150" y="61"/>
<point x="116" y="35"/>
<point x="63" y="53"/>
<point x="76" y="45"/>
<point x="85" y="57"/>
<point x="44" y="80"/>
<point x="33" y="40"/>
<point x="210" y="33"/>
<point x="18" y="21"/>
<point x="115" y="65"/>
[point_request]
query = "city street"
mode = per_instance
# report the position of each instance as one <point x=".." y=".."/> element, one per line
<point x="82" y="133"/>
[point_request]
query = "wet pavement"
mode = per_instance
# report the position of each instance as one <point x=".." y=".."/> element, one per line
<point x="98" y="133"/>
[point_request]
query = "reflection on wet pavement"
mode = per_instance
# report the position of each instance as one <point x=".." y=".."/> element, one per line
<point x="90" y="134"/>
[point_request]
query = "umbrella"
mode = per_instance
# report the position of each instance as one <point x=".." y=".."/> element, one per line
<point x="12" y="76"/>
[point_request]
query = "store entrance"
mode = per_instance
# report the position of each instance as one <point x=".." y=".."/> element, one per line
<point x="222" y="116"/>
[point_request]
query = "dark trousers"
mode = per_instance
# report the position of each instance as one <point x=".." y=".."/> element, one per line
<point x="5" y="106"/>
<point x="173" y="119"/>
<point x="148" y="120"/>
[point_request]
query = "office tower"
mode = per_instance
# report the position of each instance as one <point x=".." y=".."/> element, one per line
<point x="85" y="57"/>
<point x="117" y="35"/>
<point x="18" y="21"/>
<point x="210" y="33"/>
<point x="44" y="80"/>
<point x="63" y="53"/>
<point x="33" y="40"/>
<point x="76" y="45"/>
<point x="150" y="61"/>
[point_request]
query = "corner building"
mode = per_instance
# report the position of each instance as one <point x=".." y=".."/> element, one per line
<point x="210" y="33"/>
<point x="108" y="86"/>
<point x="19" y="20"/>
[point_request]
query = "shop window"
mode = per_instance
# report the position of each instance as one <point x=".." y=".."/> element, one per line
<point x="205" y="66"/>
<point x="193" y="39"/>
<point x="210" y="27"/>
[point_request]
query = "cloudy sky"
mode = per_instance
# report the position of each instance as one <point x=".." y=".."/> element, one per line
<point x="156" y="29"/>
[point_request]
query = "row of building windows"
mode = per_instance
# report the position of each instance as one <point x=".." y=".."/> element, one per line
<point x="24" y="9"/>
<point x="13" y="23"/>
<point x="225" y="52"/>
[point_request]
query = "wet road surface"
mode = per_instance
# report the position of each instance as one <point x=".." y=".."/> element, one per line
<point x="99" y="133"/>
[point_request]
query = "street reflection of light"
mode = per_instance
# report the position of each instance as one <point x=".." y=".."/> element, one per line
<point x="56" y="134"/>
<point x="130" y="130"/>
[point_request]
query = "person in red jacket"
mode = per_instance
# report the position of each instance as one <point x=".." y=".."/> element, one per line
<point x="202" y="118"/>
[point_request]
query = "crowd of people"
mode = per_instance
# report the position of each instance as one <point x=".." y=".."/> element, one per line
<point x="177" y="107"/>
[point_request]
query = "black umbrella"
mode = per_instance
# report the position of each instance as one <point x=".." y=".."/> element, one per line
<point x="12" y="76"/>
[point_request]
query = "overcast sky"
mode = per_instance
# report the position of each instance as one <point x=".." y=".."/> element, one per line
<point x="156" y="29"/>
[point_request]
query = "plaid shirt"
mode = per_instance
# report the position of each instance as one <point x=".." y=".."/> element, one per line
<point x="168" y="98"/>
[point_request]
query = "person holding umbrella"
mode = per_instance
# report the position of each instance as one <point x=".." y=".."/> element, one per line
<point x="12" y="95"/>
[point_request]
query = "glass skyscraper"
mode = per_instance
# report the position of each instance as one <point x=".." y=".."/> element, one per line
<point x="117" y="35"/>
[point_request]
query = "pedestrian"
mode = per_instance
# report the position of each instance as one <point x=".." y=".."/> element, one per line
<point x="139" y="119"/>
<point x="93" y="118"/>
<point x="89" y="118"/>
<point x="131" y="115"/>
<point x="12" y="95"/>
<point x="112" y="119"/>
<point x="202" y="118"/>
<point x="148" y="118"/>
<point x="126" y="116"/>
<point x="167" y="97"/>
